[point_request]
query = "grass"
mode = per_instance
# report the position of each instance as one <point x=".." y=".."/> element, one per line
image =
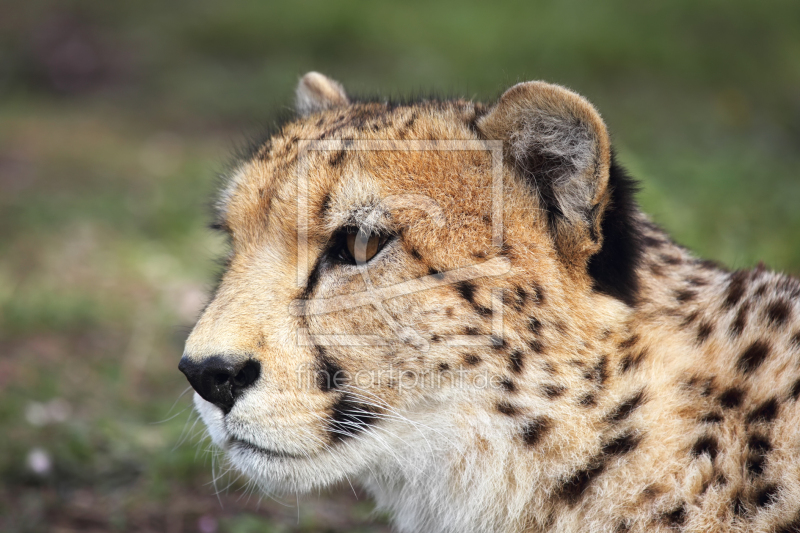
<point x="109" y="155"/>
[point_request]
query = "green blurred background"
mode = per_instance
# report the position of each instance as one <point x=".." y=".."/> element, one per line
<point x="116" y="117"/>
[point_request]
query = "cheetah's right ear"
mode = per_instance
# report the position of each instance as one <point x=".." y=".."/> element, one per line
<point x="316" y="92"/>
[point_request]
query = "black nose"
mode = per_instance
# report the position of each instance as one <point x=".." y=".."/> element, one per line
<point x="220" y="380"/>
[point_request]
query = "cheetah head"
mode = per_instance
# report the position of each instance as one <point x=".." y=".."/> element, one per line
<point x="390" y="270"/>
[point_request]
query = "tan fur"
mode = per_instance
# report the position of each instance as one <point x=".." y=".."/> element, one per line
<point x="487" y="438"/>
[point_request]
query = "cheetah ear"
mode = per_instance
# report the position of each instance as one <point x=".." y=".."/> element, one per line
<point x="316" y="92"/>
<point x="559" y="144"/>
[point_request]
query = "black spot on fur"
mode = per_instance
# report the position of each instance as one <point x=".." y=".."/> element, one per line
<point x="740" y="322"/>
<point x="522" y="297"/>
<point x="614" y="268"/>
<point x="588" y="400"/>
<point x="731" y="398"/>
<point x="794" y="392"/>
<point x="622" y="444"/>
<point x="632" y="360"/>
<point x="696" y="281"/>
<point x="624" y="409"/>
<point x="676" y="517"/>
<point x="573" y="488"/>
<point x="515" y="361"/>
<point x="779" y="312"/>
<point x="406" y="128"/>
<point x="685" y="295"/>
<point x="796" y="340"/>
<point x="753" y="357"/>
<point x="466" y="289"/>
<point x="703" y="332"/>
<point x="690" y="318"/>
<point x="435" y="338"/>
<point x="759" y="444"/>
<point x="535" y="429"/>
<point x="599" y="373"/>
<point x="349" y="417"/>
<point x="538" y="294"/>
<point x="767" y="495"/>
<point x="483" y="311"/>
<point x="534" y="325"/>
<point x="337" y="158"/>
<point x="706" y="445"/>
<point x="552" y="391"/>
<point x="622" y="527"/>
<point x="712" y="418"/>
<point x="536" y="346"/>
<point x="507" y="409"/>
<point x="508" y="385"/>
<point x="755" y="464"/>
<point x="329" y="374"/>
<point x="470" y="359"/>
<point x="766" y="412"/>
<point x="443" y="367"/>
<point x="469" y="330"/>
<point x="670" y="259"/>
<point x="629" y="342"/>
<point x="737" y="285"/>
<point x="413" y="252"/>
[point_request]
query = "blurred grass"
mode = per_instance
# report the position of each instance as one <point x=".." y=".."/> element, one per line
<point x="115" y="118"/>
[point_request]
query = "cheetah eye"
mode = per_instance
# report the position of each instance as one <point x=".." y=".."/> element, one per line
<point x="358" y="247"/>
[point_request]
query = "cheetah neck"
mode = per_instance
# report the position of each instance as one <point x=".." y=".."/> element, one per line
<point x="597" y="425"/>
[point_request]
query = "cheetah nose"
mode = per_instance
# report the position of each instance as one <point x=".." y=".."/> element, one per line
<point x="220" y="380"/>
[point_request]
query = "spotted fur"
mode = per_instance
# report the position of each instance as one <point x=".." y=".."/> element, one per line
<point x="631" y="387"/>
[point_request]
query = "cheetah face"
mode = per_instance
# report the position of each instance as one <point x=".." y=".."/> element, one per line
<point x="388" y="266"/>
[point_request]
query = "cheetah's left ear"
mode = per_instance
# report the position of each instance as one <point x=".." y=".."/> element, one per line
<point x="558" y="143"/>
<point x="316" y="92"/>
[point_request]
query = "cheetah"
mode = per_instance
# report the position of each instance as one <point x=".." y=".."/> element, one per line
<point x="462" y="308"/>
